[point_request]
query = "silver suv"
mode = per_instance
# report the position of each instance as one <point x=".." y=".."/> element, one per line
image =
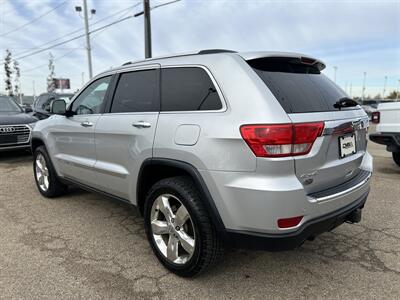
<point x="216" y="148"/>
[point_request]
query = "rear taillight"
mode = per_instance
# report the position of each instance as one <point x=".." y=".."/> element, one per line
<point x="289" y="222"/>
<point x="279" y="140"/>
<point x="375" y="117"/>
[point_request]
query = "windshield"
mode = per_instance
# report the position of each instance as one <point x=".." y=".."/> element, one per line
<point x="8" y="105"/>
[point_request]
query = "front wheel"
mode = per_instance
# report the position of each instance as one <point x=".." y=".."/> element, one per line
<point x="179" y="228"/>
<point x="396" y="158"/>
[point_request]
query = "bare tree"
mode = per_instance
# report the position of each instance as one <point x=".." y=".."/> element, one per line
<point x="17" y="86"/>
<point x="50" y="79"/>
<point x="392" y="95"/>
<point x="378" y="96"/>
<point x="8" y="73"/>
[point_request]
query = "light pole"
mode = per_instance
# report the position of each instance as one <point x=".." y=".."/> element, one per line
<point x="86" y="21"/>
<point x="147" y="24"/>
<point x="334" y="76"/>
<point x="147" y="29"/>
<point x="384" y="88"/>
<point x="363" y="87"/>
<point x="351" y="92"/>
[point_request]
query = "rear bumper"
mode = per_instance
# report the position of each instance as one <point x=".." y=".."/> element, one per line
<point x="288" y="241"/>
<point x="391" y="140"/>
<point x="251" y="202"/>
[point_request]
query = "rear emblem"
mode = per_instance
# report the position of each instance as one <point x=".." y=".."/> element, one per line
<point x="357" y="125"/>
<point x="308" y="175"/>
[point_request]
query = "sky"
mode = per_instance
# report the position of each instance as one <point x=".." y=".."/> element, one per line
<point x="354" y="36"/>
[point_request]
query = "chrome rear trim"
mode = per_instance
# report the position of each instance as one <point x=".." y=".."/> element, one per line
<point x="344" y="192"/>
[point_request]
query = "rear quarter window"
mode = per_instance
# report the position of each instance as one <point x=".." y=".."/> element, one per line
<point x="188" y="89"/>
<point x="298" y="88"/>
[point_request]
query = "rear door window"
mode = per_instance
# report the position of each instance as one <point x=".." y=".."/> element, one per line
<point x="299" y="88"/>
<point x="188" y="89"/>
<point x="137" y="91"/>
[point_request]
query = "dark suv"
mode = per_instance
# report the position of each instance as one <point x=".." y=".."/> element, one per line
<point x="41" y="106"/>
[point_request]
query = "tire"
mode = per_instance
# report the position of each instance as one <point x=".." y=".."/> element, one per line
<point x="41" y="161"/>
<point x="181" y="191"/>
<point x="396" y="158"/>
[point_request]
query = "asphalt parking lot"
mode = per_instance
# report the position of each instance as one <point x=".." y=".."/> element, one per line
<point x="84" y="245"/>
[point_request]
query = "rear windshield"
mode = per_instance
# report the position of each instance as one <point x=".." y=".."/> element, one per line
<point x="299" y="88"/>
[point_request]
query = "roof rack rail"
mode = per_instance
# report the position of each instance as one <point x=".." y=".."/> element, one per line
<point x="206" y="51"/>
<point x="212" y="51"/>
<point x="158" y="57"/>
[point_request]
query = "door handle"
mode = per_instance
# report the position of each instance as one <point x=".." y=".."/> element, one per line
<point x="141" y="124"/>
<point x="87" y="124"/>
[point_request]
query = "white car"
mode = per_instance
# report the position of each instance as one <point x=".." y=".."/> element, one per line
<point x="387" y="117"/>
<point x="369" y="110"/>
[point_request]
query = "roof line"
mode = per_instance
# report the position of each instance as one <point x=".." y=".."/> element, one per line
<point x="205" y="51"/>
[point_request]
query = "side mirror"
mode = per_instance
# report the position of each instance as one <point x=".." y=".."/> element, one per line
<point x="58" y="107"/>
<point x="28" y="109"/>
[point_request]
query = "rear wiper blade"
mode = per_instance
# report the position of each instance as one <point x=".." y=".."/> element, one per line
<point x="345" y="102"/>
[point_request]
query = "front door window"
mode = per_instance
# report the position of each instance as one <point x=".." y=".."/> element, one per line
<point x="91" y="100"/>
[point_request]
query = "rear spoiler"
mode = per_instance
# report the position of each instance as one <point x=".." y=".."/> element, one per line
<point x="300" y="58"/>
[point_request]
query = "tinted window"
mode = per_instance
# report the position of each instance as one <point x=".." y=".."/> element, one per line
<point x="137" y="92"/>
<point x="36" y="103"/>
<point x="66" y="98"/>
<point x="298" y="87"/>
<point x="188" y="89"/>
<point x="42" y="103"/>
<point x="91" y="100"/>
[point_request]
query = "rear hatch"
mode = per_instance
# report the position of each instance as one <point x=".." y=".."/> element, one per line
<point x="309" y="96"/>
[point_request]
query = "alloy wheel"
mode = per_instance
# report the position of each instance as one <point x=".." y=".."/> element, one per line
<point x="42" y="173"/>
<point x="172" y="229"/>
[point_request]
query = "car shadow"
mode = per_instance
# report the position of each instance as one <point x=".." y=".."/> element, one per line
<point x="15" y="156"/>
<point x="346" y="248"/>
<point x="241" y="262"/>
<point x="386" y="166"/>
